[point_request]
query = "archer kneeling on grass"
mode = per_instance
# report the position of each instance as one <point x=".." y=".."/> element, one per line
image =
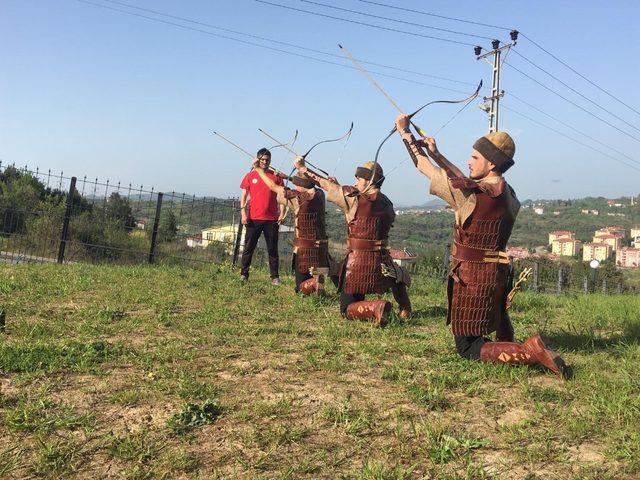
<point x="368" y="267"/>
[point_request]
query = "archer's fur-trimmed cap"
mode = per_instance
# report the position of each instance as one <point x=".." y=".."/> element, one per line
<point x="497" y="147"/>
<point x="366" y="171"/>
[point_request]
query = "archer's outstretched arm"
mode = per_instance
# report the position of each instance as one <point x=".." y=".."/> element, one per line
<point x="324" y="183"/>
<point x="416" y="152"/>
<point x="273" y="186"/>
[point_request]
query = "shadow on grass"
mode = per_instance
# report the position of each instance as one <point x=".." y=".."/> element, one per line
<point x="430" y="312"/>
<point x="593" y="341"/>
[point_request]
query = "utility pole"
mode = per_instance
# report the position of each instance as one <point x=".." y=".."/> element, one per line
<point x="492" y="103"/>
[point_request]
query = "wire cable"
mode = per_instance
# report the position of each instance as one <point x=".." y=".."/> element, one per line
<point x="523" y="35"/>
<point x="356" y="22"/>
<point x="279" y="42"/>
<point x="404" y="22"/>
<point x="571" y="138"/>
<point x="573" y="103"/>
<point x="419" y="12"/>
<point x="515" y="97"/>
<point x="574" y="90"/>
<point x="579" y="74"/>
<point x="266" y="47"/>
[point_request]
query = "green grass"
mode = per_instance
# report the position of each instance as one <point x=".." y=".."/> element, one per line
<point x="168" y="372"/>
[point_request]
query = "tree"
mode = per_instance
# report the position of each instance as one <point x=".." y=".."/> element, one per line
<point x="168" y="227"/>
<point x="119" y="209"/>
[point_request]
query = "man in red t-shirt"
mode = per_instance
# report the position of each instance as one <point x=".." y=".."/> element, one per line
<point x="264" y="217"/>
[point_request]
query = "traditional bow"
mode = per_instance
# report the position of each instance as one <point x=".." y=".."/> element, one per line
<point x="285" y="145"/>
<point x="304" y="156"/>
<point x="447" y="166"/>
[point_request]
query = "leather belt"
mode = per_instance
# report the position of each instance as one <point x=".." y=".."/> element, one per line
<point x="478" y="255"/>
<point x="306" y="243"/>
<point x="363" y="244"/>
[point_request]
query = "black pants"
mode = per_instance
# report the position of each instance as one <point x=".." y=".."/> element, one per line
<point x="469" y="347"/>
<point x="253" y="229"/>
<point x="300" y="277"/>
<point x="347" y="299"/>
<point x="399" y="291"/>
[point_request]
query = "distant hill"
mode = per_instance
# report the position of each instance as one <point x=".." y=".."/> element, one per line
<point x="435" y="204"/>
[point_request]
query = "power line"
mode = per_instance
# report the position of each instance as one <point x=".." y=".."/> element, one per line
<point x="574" y="90"/>
<point x="555" y="57"/>
<point x="279" y="42"/>
<point x="380" y="27"/>
<point x="357" y="12"/>
<point x="525" y="58"/>
<point x="345" y="66"/>
<point x="571" y="138"/>
<point x="419" y="12"/>
<point x="573" y="103"/>
<point x="515" y="97"/>
<point x="266" y="47"/>
<point x="579" y="74"/>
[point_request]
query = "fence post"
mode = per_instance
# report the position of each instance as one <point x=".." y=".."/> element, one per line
<point x="64" y="236"/>
<point x="154" y="232"/>
<point x="585" y="284"/>
<point x="619" y="287"/>
<point x="536" y="276"/>
<point x="604" y="285"/>
<point x="560" y="278"/>
<point x="236" y="247"/>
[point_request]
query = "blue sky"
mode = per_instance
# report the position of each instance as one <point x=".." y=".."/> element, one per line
<point x="100" y="93"/>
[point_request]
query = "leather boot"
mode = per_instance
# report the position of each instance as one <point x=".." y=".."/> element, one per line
<point x="309" y="286"/>
<point x="375" y="310"/>
<point x="532" y="352"/>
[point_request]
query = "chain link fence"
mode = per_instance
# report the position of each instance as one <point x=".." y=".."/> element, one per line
<point x="51" y="217"/>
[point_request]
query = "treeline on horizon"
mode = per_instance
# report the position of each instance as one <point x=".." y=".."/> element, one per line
<point x="103" y="229"/>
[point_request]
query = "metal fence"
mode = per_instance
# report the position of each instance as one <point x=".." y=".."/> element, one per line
<point x="51" y="217"/>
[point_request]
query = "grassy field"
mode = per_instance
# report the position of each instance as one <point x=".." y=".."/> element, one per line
<point x="140" y="372"/>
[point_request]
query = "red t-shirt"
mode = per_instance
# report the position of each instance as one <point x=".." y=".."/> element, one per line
<point x="263" y="204"/>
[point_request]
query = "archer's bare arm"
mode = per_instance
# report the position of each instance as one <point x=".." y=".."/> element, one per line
<point x="273" y="186"/>
<point x="418" y="155"/>
<point x="324" y="183"/>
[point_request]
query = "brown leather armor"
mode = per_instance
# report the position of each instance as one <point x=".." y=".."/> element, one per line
<point x="367" y="244"/>
<point x="477" y="286"/>
<point x="310" y="240"/>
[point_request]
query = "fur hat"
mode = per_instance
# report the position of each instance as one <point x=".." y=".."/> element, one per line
<point x="498" y="148"/>
<point x="366" y="171"/>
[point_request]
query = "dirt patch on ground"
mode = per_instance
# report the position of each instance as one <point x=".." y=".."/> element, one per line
<point x="7" y="387"/>
<point x="135" y="419"/>
<point x="586" y="452"/>
<point x="513" y="416"/>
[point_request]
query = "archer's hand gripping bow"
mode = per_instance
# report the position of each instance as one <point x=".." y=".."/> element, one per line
<point x="304" y="156"/>
<point x="450" y="168"/>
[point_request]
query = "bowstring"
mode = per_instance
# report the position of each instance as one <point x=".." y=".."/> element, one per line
<point x="436" y="132"/>
<point x="341" y="154"/>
